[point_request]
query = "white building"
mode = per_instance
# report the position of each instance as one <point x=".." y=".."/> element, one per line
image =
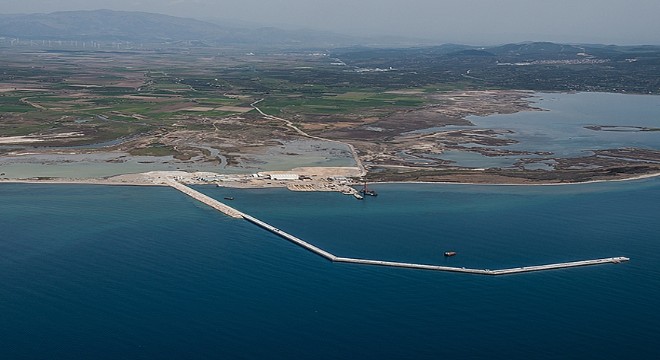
<point x="284" y="176"/>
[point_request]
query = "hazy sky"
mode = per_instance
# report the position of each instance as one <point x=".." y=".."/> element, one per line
<point x="467" y="21"/>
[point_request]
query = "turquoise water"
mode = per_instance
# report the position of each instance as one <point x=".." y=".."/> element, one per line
<point x="147" y="273"/>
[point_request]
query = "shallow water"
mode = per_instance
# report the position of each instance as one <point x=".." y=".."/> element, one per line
<point x="290" y="155"/>
<point x="561" y="129"/>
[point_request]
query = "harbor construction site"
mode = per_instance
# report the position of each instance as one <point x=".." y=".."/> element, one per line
<point x="230" y="211"/>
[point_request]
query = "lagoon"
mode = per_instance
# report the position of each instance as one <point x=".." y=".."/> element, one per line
<point x="562" y="129"/>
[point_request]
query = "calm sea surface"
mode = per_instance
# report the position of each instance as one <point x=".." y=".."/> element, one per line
<point x="98" y="272"/>
<point x="562" y="128"/>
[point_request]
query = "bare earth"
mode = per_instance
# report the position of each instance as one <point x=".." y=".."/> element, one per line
<point x="396" y="146"/>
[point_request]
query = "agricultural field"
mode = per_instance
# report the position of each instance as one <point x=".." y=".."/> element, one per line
<point x="198" y="105"/>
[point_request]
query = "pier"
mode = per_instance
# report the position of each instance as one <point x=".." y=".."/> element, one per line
<point x="316" y="250"/>
<point x="229" y="211"/>
<point x="223" y="208"/>
<point x="511" y="271"/>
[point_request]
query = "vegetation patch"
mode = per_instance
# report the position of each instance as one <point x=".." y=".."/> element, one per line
<point x="154" y="149"/>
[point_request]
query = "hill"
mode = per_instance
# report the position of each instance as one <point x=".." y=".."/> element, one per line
<point x="108" y="25"/>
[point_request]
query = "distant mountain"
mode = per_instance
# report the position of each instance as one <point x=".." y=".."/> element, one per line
<point x="473" y="53"/>
<point x="514" y="53"/>
<point x="150" y="28"/>
<point x="537" y="50"/>
<point x="108" y="25"/>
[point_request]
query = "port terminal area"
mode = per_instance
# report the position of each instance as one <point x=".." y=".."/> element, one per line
<point x="230" y="211"/>
<point x="338" y="179"/>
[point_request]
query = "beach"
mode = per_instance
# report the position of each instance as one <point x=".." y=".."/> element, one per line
<point x="315" y="179"/>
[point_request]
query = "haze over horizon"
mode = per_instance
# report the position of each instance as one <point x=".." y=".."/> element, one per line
<point x="479" y="22"/>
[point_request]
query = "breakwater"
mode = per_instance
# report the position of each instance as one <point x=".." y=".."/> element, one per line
<point x="228" y="210"/>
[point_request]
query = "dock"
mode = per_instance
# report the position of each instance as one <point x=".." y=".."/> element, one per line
<point x="229" y="211"/>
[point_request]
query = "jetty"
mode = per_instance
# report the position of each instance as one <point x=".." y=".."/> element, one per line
<point x="230" y="211"/>
<point x="223" y="208"/>
<point x="316" y="250"/>
<point x="518" y="270"/>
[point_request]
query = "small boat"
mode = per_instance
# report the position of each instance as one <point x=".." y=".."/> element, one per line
<point x="229" y="198"/>
<point x="450" y="253"/>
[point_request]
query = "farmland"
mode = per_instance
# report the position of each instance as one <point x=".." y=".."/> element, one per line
<point x="194" y="105"/>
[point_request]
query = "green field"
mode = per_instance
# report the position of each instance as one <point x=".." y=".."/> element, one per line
<point x="347" y="102"/>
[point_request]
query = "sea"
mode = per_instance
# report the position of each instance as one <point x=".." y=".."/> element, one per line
<point x="121" y="272"/>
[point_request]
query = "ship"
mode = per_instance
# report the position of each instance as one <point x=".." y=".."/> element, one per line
<point x="229" y="198"/>
<point x="450" y="253"/>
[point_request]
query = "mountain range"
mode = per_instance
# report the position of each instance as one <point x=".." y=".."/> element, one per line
<point x="150" y="28"/>
<point x="109" y="25"/>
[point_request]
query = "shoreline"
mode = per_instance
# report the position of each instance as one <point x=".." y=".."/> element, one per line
<point x="76" y="182"/>
<point x="141" y="179"/>
<point x="639" y="177"/>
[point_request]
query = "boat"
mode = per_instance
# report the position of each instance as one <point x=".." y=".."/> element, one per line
<point x="229" y="198"/>
<point x="450" y="253"/>
<point x="358" y="196"/>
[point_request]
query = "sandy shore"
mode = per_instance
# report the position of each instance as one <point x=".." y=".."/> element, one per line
<point x="639" y="177"/>
<point x="320" y="183"/>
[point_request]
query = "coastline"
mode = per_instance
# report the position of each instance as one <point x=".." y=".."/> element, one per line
<point x="160" y="179"/>
<point x="639" y="177"/>
<point x="76" y="182"/>
<point x="617" y="164"/>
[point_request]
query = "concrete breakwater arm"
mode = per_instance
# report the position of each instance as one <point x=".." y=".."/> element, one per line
<point x="226" y="209"/>
<point x="511" y="271"/>
<point x="412" y="266"/>
<point x="291" y="238"/>
<point x="612" y="260"/>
